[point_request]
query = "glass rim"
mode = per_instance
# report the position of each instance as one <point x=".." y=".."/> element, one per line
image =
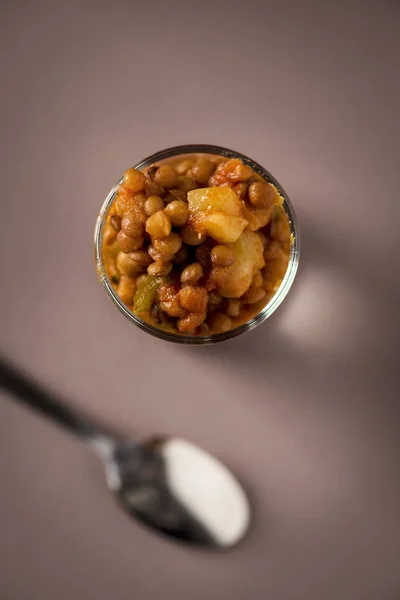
<point x="264" y="313"/>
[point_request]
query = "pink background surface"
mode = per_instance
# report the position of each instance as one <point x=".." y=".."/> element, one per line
<point x="305" y="408"/>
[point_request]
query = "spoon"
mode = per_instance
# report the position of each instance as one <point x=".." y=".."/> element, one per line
<point x="167" y="483"/>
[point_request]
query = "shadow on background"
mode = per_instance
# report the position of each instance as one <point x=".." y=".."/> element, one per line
<point x="273" y="350"/>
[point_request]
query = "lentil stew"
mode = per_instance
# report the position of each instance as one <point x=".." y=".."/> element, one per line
<point x="196" y="244"/>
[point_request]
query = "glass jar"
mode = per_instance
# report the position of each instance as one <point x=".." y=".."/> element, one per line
<point x="268" y="309"/>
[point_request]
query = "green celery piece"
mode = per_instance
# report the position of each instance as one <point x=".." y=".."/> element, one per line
<point x="145" y="294"/>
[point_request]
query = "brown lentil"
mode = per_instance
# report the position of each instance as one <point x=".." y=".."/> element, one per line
<point x="261" y="194"/>
<point x="140" y="200"/>
<point x="177" y="212"/>
<point x="158" y="225"/>
<point x="168" y="245"/>
<point x="141" y="256"/>
<point x="190" y="237"/>
<point x="222" y="256"/>
<point x="127" y="265"/>
<point x="129" y="244"/>
<point x="173" y="308"/>
<point x="134" y="180"/>
<point x="153" y="204"/>
<point x="133" y="223"/>
<point x="201" y="170"/>
<point x="192" y="274"/>
<point x="159" y="268"/>
<point x="156" y="255"/>
<point x="125" y="201"/>
<point x="166" y="176"/>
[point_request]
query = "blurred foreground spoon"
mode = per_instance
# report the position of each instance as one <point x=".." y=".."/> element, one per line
<point x="167" y="483"/>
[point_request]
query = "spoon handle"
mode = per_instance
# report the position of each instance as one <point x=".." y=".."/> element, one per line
<point x="41" y="400"/>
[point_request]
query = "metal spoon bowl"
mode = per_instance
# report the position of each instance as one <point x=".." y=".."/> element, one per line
<point x="167" y="483"/>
